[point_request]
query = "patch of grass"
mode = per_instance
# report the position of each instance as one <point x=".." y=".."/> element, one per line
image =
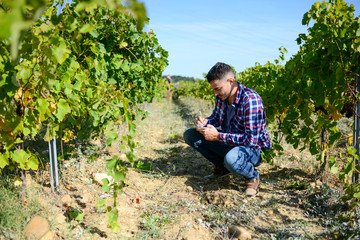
<point x="218" y="218"/>
<point x="295" y="229"/>
<point x="340" y="220"/>
<point x="156" y="218"/>
<point x="286" y="234"/>
<point x="14" y="211"/>
<point x="346" y="226"/>
<point x="151" y="225"/>
<point x="323" y="202"/>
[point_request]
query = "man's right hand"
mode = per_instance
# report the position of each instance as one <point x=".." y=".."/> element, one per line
<point x="201" y="122"/>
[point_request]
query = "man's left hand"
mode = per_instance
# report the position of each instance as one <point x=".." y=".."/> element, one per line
<point x="210" y="133"/>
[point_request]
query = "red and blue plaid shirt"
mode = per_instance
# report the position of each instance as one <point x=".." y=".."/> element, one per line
<point x="248" y="126"/>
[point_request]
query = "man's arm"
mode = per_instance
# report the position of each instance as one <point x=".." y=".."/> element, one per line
<point x="210" y="133"/>
<point x="214" y="118"/>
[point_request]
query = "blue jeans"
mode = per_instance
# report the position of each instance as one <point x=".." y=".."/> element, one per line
<point x="240" y="160"/>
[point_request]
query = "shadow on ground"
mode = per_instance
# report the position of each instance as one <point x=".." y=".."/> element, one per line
<point x="178" y="159"/>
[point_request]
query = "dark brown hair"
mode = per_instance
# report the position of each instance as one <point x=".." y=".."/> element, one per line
<point x="218" y="71"/>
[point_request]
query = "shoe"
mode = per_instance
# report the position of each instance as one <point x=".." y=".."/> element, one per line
<point x="220" y="171"/>
<point x="252" y="187"/>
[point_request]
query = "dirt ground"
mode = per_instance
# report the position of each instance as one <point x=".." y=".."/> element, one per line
<point x="177" y="199"/>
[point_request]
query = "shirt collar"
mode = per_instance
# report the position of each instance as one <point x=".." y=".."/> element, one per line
<point x="238" y="93"/>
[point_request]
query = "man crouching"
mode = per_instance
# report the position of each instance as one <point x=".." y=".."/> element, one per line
<point x="240" y="113"/>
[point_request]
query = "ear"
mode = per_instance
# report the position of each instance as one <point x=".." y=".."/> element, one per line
<point x="231" y="80"/>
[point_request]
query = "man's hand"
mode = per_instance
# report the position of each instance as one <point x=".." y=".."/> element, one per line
<point x="201" y="122"/>
<point x="210" y="133"/>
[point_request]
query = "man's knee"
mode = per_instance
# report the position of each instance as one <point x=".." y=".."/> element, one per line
<point x="231" y="160"/>
<point x="234" y="160"/>
<point x="189" y="135"/>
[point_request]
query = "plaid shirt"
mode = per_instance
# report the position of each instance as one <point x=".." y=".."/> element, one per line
<point x="248" y="126"/>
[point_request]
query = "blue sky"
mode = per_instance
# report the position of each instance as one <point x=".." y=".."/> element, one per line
<point x="199" y="33"/>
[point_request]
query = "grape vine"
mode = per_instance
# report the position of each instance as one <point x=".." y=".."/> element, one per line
<point x="199" y="89"/>
<point x="311" y="92"/>
<point x="81" y="71"/>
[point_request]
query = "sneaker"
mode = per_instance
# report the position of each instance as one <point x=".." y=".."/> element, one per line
<point x="252" y="187"/>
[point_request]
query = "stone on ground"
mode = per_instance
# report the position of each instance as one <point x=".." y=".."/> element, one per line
<point x="36" y="228"/>
<point x="239" y="233"/>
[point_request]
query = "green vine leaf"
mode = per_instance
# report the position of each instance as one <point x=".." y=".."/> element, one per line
<point x="60" y="52"/>
<point x="4" y="159"/>
<point x="62" y="109"/>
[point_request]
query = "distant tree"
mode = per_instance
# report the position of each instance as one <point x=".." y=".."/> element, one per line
<point x="177" y="78"/>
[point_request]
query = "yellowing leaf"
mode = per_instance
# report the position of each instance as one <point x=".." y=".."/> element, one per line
<point x="27" y="98"/>
<point x="17" y="182"/>
<point x="350" y="139"/>
<point x="336" y="115"/>
<point x="68" y="134"/>
<point x="52" y="107"/>
<point x="123" y="44"/>
<point x="3" y="125"/>
<point x="18" y="95"/>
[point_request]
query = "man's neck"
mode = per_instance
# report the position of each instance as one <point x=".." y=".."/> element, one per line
<point x="234" y="89"/>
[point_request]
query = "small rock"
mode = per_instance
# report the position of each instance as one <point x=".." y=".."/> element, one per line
<point x="271" y="212"/>
<point x="189" y="188"/>
<point x="50" y="235"/>
<point x="99" y="176"/>
<point x="66" y="200"/>
<point x="239" y="233"/>
<point x="36" y="228"/>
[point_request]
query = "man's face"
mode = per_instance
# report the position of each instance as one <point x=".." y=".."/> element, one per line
<point x="222" y="88"/>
